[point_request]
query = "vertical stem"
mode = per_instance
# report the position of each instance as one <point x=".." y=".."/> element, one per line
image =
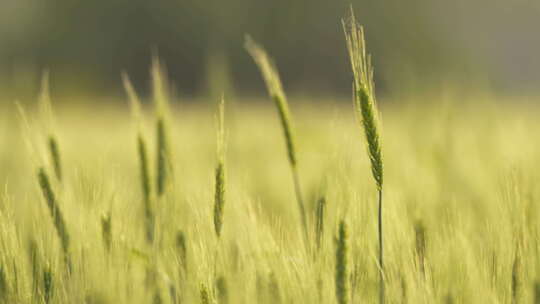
<point x="381" y="261"/>
<point x="300" y="201"/>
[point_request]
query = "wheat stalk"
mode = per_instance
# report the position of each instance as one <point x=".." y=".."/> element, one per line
<point x="275" y="90"/>
<point x="365" y="106"/>
<point x="142" y="151"/>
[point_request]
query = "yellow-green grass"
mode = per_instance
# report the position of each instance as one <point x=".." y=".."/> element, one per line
<point x="466" y="168"/>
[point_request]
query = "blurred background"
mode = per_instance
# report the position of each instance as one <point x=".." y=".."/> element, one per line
<point x="416" y="44"/>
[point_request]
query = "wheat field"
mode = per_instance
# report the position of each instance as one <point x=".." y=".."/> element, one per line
<point x="461" y="205"/>
<point x="278" y="199"/>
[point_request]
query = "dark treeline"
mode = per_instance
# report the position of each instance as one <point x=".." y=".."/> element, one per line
<point x="87" y="43"/>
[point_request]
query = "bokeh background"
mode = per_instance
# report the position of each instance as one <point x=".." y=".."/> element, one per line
<point x="468" y="44"/>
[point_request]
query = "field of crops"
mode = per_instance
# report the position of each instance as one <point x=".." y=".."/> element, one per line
<point x="209" y="202"/>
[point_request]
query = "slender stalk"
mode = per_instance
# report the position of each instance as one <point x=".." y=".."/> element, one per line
<point x="381" y="254"/>
<point x="300" y="200"/>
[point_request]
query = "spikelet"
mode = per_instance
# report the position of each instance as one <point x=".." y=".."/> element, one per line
<point x="142" y="151"/>
<point x="106" y="231"/>
<point x="364" y="94"/>
<point x="134" y="101"/>
<point x="222" y="290"/>
<point x="48" y="285"/>
<point x="55" y="157"/>
<point x="449" y="299"/>
<point x="275" y="90"/>
<point x="4" y="287"/>
<point x="320" y="214"/>
<point x="157" y="298"/>
<point x="48" y="121"/>
<point x="219" y="194"/>
<point x="420" y="244"/>
<point x="516" y="276"/>
<point x="536" y="292"/>
<point x="204" y="294"/>
<point x="56" y="214"/>
<point x="342" y="265"/>
<point x="161" y="101"/>
<point x="181" y="250"/>
<point x="274" y="291"/>
<point x="33" y="255"/>
<point x="146" y="187"/>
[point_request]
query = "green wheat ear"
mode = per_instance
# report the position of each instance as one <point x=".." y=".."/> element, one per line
<point x="4" y="287"/>
<point x="320" y="215"/>
<point x="219" y="199"/>
<point x="274" y="291"/>
<point x="365" y="107"/>
<point x="106" y="230"/>
<point x="56" y="214"/>
<point x="47" y="116"/>
<point x="181" y="250"/>
<point x="142" y="152"/>
<point x="275" y="89"/>
<point x="222" y="290"/>
<point x="420" y="244"/>
<point x="34" y="259"/>
<point x="536" y="292"/>
<point x="161" y="100"/>
<point x="342" y="265"/>
<point x="48" y="284"/>
<point x="204" y="294"/>
<point x="364" y="94"/>
<point x="516" y="275"/>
